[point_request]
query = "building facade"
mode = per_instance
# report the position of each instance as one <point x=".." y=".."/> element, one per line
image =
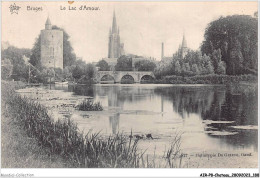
<point x="51" y="46"/>
<point x="115" y="48"/>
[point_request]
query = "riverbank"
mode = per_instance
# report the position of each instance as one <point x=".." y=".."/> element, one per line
<point x="63" y="102"/>
<point x="207" y="79"/>
<point x="59" y="143"/>
<point x="18" y="150"/>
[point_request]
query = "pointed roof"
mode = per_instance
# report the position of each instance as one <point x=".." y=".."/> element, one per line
<point x="114" y="25"/>
<point x="184" y="42"/>
<point x="48" y="22"/>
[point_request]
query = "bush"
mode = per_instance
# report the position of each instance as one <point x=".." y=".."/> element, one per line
<point x="90" y="106"/>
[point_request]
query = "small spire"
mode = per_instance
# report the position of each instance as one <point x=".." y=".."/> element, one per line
<point x="184" y="42"/>
<point x="48" y="25"/>
<point x="48" y="22"/>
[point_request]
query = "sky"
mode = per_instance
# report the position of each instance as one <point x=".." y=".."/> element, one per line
<point x="143" y="25"/>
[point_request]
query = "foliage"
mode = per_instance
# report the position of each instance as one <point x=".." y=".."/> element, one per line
<point x="77" y="72"/>
<point x="103" y="65"/>
<point x="83" y="72"/>
<point x="15" y="55"/>
<point x="207" y="79"/>
<point x="90" y="106"/>
<point x="124" y="63"/>
<point x="236" y="37"/>
<point x="6" y="69"/>
<point x="69" y="56"/>
<point x="194" y="63"/>
<point x="144" y="65"/>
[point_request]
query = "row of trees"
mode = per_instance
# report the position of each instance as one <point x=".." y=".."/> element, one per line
<point x="194" y="63"/>
<point x="124" y="63"/>
<point x="230" y="47"/>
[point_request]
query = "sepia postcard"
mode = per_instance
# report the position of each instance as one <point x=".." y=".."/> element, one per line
<point x="118" y="84"/>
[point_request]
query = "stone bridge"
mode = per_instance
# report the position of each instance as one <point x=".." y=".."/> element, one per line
<point x="118" y="75"/>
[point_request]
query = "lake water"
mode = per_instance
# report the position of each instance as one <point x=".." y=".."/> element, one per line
<point x="208" y="117"/>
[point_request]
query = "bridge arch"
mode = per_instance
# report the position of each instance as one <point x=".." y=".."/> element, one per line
<point x="107" y="78"/>
<point x="147" y="78"/>
<point x="127" y="79"/>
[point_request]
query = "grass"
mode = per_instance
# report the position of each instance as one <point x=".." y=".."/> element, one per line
<point x="39" y="141"/>
<point x="90" y="106"/>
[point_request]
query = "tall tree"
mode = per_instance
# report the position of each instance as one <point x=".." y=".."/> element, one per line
<point x="236" y="37"/>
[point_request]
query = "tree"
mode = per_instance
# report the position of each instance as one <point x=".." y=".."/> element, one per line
<point x="69" y="56"/>
<point x="6" y="69"/>
<point x="124" y="63"/>
<point x="77" y="72"/>
<point x="103" y="65"/>
<point x="236" y="36"/>
<point x="177" y="67"/>
<point x="221" y="68"/>
<point x="15" y="55"/>
<point x="195" y="69"/>
<point x="89" y="71"/>
<point x="145" y="65"/>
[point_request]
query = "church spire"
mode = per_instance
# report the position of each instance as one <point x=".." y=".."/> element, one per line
<point x="184" y="42"/>
<point x="114" y="26"/>
<point x="48" y="24"/>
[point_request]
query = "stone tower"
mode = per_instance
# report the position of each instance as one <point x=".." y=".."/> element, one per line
<point x="115" y="48"/>
<point x="51" y="46"/>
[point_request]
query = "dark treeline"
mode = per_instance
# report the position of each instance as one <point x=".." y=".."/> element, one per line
<point x="229" y="47"/>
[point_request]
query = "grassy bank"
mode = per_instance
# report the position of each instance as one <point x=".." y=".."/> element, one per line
<point x="60" y="144"/>
<point x="207" y="79"/>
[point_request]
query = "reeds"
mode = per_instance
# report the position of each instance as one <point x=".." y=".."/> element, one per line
<point x="90" y="106"/>
<point x="63" y="138"/>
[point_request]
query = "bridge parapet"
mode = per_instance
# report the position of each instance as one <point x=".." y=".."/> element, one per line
<point x="117" y="75"/>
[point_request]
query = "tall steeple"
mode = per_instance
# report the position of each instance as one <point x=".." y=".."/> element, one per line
<point x="184" y="42"/>
<point x="115" y="48"/>
<point x="48" y="25"/>
<point x="114" y="25"/>
<point x="184" y="48"/>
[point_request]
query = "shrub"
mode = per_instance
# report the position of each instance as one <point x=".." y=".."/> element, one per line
<point x="90" y="106"/>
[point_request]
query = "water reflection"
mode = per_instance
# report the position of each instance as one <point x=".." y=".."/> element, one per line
<point x="162" y="110"/>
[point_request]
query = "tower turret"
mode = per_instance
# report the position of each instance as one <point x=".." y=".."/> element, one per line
<point x="48" y="25"/>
